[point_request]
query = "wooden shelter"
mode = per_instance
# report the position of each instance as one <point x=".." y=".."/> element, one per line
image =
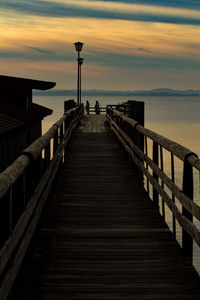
<point x="20" y="118"/>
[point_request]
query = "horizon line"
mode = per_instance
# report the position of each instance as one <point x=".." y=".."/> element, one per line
<point x="101" y="92"/>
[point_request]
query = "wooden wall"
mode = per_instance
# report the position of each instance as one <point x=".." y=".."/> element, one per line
<point x="13" y="142"/>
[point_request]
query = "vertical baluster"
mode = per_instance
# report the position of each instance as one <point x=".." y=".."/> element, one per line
<point x="55" y="142"/>
<point x="61" y="133"/>
<point x="187" y="241"/>
<point x="61" y="141"/>
<point x="162" y="183"/>
<point x="24" y="188"/>
<point x="173" y="198"/>
<point x="138" y="139"/>
<point x="147" y="167"/>
<point x="155" y="160"/>
<point x="47" y="155"/>
<point x="10" y="210"/>
<point x="11" y="218"/>
<point x="65" y="131"/>
<point x="67" y="123"/>
<point x="130" y="134"/>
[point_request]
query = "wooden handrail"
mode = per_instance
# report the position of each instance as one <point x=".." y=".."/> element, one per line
<point x="178" y="150"/>
<point x="126" y="130"/>
<point x="175" y="148"/>
<point x="39" y="164"/>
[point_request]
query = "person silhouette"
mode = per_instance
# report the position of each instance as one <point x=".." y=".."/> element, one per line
<point x="87" y="107"/>
<point x="97" y="108"/>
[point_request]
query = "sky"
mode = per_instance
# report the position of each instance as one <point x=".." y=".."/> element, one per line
<point x="128" y="44"/>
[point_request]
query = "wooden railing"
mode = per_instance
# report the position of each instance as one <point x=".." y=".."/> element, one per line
<point x="92" y="110"/>
<point x="134" y="138"/>
<point x="24" y="187"/>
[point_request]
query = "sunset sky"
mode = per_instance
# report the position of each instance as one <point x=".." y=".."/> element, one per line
<point x="128" y="45"/>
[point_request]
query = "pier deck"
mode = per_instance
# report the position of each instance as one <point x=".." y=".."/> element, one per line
<point x="100" y="236"/>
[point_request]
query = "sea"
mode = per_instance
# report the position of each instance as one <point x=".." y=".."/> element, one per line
<point x="175" y="117"/>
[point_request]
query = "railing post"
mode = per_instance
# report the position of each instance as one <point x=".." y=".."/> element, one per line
<point x="66" y="124"/>
<point x="24" y="188"/>
<point x="155" y="160"/>
<point x="187" y="241"/>
<point x="47" y="156"/>
<point x="136" y="111"/>
<point x="11" y="210"/>
<point x="162" y="183"/>
<point x="55" y="142"/>
<point x="68" y="104"/>
<point x="61" y="133"/>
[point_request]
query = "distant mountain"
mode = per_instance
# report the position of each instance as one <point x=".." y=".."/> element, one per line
<point x="154" y="92"/>
<point x="171" y="92"/>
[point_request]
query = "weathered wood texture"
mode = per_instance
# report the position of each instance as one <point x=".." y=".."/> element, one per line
<point x="101" y="237"/>
<point x="93" y="123"/>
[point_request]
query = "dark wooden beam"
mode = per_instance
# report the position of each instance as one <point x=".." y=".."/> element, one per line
<point x="24" y="83"/>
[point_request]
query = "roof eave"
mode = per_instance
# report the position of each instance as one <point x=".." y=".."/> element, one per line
<point x="26" y="83"/>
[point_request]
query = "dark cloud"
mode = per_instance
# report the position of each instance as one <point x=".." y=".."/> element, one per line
<point x="106" y="59"/>
<point x="36" y="54"/>
<point x="53" y="9"/>
<point x="39" y="50"/>
<point x="136" y="62"/>
<point x="39" y="7"/>
<point x="191" y="4"/>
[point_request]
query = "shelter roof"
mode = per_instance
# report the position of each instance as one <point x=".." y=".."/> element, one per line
<point x="16" y="106"/>
<point x="24" y="83"/>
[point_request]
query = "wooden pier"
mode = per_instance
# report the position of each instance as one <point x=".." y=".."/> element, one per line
<point x="100" y="235"/>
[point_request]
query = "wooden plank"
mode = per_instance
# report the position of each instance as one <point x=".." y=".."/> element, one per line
<point x="93" y="124"/>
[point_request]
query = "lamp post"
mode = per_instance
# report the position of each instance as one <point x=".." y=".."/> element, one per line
<point x="80" y="62"/>
<point x="78" y="47"/>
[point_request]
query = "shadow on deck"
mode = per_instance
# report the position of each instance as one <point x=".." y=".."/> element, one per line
<point x="100" y="236"/>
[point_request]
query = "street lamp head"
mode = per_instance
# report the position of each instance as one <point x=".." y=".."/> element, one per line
<point x="80" y="60"/>
<point x="78" y="46"/>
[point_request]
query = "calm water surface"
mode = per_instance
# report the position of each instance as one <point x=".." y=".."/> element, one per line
<point x="177" y="118"/>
